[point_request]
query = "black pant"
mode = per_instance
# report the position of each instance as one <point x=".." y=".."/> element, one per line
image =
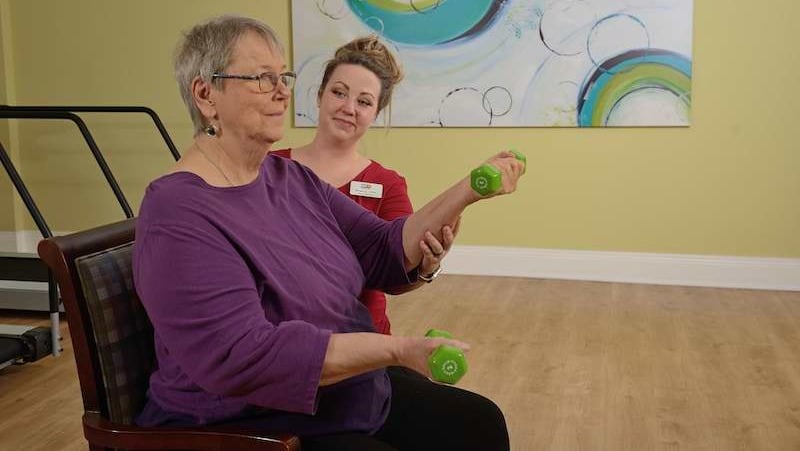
<point x="426" y="416"/>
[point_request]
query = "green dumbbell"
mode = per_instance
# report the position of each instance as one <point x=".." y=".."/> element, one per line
<point x="486" y="179"/>
<point x="447" y="363"/>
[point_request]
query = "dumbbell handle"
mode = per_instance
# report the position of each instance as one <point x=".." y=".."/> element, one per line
<point x="447" y="363"/>
<point x="486" y="179"/>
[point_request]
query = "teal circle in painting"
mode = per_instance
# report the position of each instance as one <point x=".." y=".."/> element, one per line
<point x="629" y="72"/>
<point x="426" y="22"/>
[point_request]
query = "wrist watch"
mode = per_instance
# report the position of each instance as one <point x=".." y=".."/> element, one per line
<point x="430" y="277"/>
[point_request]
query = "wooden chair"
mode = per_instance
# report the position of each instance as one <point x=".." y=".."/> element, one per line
<point x="113" y="343"/>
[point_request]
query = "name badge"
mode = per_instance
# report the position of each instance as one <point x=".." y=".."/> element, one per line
<point x="366" y="189"/>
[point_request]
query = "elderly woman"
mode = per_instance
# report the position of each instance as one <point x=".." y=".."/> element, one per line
<point x="250" y="268"/>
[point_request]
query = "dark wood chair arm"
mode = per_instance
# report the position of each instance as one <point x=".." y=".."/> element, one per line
<point x="101" y="432"/>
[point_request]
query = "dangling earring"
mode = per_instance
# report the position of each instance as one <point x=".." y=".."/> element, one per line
<point x="211" y="130"/>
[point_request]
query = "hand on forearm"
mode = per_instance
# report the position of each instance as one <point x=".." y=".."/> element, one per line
<point x="444" y="209"/>
<point x="434" y="250"/>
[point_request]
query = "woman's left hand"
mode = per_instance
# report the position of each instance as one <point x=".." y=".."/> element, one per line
<point x="433" y="250"/>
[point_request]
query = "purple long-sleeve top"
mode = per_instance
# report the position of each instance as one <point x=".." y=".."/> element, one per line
<point x="244" y="286"/>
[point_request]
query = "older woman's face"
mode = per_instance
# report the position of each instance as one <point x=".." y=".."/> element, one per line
<point x="244" y="112"/>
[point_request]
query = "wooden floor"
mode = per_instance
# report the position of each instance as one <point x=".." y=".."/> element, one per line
<point x="574" y="366"/>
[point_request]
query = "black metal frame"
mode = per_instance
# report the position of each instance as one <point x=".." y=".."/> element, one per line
<point x="106" y="109"/>
<point x="30" y="268"/>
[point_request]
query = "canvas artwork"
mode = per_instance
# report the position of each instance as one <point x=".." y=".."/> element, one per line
<point x="512" y="63"/>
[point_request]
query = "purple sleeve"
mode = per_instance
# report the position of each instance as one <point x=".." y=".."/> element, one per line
<point x="205" y="308"/>
<point x="378" y="244"/>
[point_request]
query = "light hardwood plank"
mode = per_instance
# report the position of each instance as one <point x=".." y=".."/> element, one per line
<point x="574" y="365"/>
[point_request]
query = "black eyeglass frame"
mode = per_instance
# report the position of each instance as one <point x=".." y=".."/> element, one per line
<point x="269" y="77"/>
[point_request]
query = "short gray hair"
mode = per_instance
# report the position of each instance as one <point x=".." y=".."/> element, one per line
<point x="207" y="49"/>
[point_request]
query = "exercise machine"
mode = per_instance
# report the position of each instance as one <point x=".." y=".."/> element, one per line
<point x="22" y="344"/>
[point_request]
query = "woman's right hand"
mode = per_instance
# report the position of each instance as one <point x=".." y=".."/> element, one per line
<point x="415" y="352"/>
<point x="511" y="169"/>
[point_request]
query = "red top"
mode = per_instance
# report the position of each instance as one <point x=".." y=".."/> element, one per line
<point x="393" y="204"/>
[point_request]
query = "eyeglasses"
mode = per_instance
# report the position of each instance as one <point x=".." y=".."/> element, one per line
<point x="267" y="81"/>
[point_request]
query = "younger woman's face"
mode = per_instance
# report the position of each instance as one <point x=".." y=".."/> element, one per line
<point x="349" y="103"/>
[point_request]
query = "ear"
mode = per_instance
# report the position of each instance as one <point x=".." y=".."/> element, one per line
<point x="203" y="94"/>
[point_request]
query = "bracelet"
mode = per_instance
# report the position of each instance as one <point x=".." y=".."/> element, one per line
<point x="430" y="277"/>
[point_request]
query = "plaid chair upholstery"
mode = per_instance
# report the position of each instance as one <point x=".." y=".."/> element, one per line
<point x="122" y="332"/>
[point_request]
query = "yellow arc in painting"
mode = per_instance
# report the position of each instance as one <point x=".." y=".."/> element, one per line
<point x="404" y="6"/>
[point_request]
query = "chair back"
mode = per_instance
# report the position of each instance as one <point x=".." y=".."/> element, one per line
<point x="122" y="332"/>
<point x="111" y="334"/>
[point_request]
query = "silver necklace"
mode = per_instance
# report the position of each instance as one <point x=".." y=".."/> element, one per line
<point x="203" y="152"/>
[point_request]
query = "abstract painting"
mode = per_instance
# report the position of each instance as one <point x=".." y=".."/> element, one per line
<point x="511" y="63"/>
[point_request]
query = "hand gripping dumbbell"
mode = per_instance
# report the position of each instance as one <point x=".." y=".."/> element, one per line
<point x="487" y="179"/>
<point x="447" y="363"/>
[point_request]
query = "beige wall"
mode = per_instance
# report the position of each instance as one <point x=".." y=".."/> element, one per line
<point x="6" y="190"/>
<point x="728" y="185"/>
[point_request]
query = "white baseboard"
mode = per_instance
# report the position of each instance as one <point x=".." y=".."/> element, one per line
<point x="16" y="295"/>
<point x="30" y="296"/>
<point x="23" y="241"/>
<point x="628" y="267"/>
<point x="27" y="240"/>
<point x="8" y="241"/>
